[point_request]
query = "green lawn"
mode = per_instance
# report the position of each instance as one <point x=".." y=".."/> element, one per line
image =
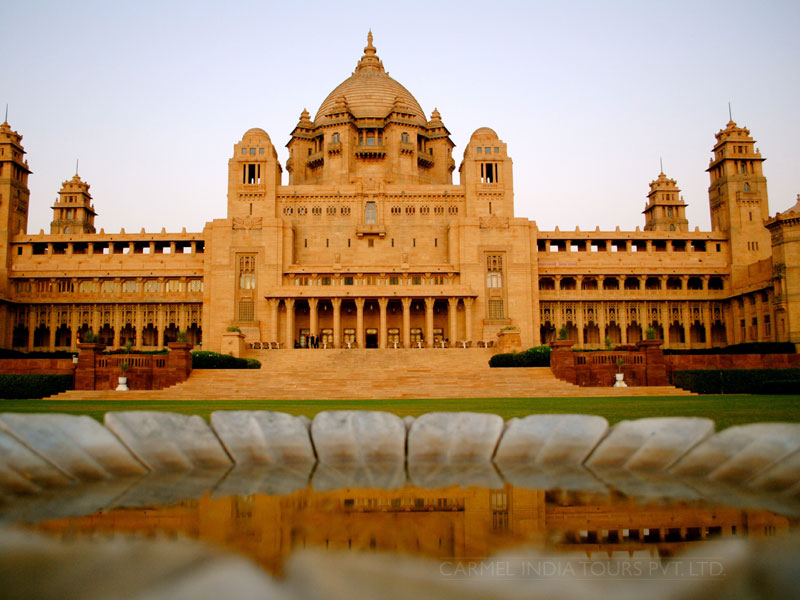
<point x="725" y="411"/>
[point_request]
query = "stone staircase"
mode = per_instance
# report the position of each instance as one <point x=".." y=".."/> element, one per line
<point x="368" y="374"/>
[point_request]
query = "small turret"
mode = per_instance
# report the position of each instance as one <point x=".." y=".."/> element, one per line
<point x="73" y="211"/>
<point x="665" y="210"/>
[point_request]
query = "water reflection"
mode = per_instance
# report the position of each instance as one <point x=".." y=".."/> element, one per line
<point x="451" y="522"/>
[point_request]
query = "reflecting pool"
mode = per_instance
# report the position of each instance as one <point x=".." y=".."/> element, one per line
<point x="446" y="523"/>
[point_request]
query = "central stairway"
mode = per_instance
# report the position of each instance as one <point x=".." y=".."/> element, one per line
<point x="371" y="374"/>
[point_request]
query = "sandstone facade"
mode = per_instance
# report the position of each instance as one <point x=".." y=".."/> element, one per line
<point x="371" y="244"/>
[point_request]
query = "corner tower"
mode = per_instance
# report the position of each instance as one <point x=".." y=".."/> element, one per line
<point x="487" y="176"/>
<point x="14" y="197"/>
<point x="785" y="230"/>
<point x="665" y="210"/>
<point x="73" y="211"/>
<point x="738" y="196"/>
<point x="253" y="176"/>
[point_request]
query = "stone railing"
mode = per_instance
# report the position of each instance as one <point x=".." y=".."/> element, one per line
<point x="645" y="366"/>
<point x="98" y="371"/>
<point x="145" y="458"/>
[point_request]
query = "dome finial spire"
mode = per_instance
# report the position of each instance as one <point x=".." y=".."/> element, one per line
<point x="370" y="59"/>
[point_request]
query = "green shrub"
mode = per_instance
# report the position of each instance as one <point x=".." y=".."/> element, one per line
<point x="739" y="381"/>
<point x="33" y="386"/>
<point x="90" y="337"/>
<point x="538" y="356"/>
<point x="203" y="359"/>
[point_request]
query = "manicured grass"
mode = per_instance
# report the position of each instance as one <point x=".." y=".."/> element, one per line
<point x="725" y="411"/>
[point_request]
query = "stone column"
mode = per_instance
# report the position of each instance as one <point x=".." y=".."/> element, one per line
<point x="139" y="326"/>
<point x="687" y="324"/>
<point x="623" y="322"/>
<point x="579" y="322"/>
<point x="274" y="334"/>
<point x="429" y="322"/>
<point x="95" y="320"/>
<point x="360" y="322"/>
<point x="773" y="326"/>
<point x="336" y="303"/>
<point x="313" y="320"/>
<point x="31" y="327"/>
<point x="601" y="322"/>
<point x="707" y="322"/>
<point x="160" y="326"/>
<point x="452" y="313"/>
<point x="406" y="322"/>
<point x="730" y="323"/>
<point x="117" y="318"/>
<point x="53" y="327"/>
<point x="382" y="303"/>
<point x="468" y="318"/>
<point x="73" y="328"/>
<point x="289" y="303"/>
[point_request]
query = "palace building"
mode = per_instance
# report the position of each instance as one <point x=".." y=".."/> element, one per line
<point x="371" y="244"/>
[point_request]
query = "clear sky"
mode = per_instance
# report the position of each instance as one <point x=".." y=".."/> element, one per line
<point x="151" y="96"/>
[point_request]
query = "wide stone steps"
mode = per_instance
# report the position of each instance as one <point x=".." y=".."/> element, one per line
<point x="370" y="374"/>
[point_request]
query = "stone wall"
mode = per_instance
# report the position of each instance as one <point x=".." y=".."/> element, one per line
<point x="688" y="362"/>
<point x="36" y="366"/>
<point x="643" y="367"/>
<point x="98" y="371"/>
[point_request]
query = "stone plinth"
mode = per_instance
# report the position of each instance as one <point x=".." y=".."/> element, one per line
<point x="508" y="340"/>
<point x="562" y="360"/>
<point x="86" y="371"/>
<point x="233" y="343"/>
<point x="655" y="365"/>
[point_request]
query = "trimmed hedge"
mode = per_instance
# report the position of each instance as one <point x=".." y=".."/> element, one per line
<point x="203" y="359"/>
<point x="745" y="348"/>
<point x="538" y="356"/>
<point x="739" y="381"/>
<point x="25" y="387"/>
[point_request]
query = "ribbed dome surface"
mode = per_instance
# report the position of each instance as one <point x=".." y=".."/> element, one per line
<point x="369" y="92"/>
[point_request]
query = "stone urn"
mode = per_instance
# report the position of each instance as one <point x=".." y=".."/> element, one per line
<point x="620" y="380"/>
<point x="123" y="384"/>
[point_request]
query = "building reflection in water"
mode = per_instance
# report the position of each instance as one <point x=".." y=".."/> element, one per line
<point x="451" y="522"/>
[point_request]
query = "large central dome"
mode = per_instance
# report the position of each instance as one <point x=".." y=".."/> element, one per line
<point x="370" y="93"/>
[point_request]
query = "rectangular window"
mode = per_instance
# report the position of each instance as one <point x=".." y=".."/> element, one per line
<point x="496" y="311"/>
<point x="348" y="280"/>
<point x="247" y="272"/>
<point x="370" y="214"/>
<point x="494" y="262"/>
<point x="416" y="280"/>
<point x="394" y="280"/>
<point x="325" y="281"/>
<point x="246" y="310"/>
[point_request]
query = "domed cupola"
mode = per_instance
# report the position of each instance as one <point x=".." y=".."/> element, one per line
<point x="369" y="93"/>
<point x="370" y="128"/>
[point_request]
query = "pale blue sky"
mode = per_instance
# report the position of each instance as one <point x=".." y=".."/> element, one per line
<point x="151" y="96"/>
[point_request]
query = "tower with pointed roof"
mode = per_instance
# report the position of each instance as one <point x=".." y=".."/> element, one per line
<point x="73" y="211"/>
<point x="665" y="210"/>
<point x="738" y="198"/>
<point x="14" y="196"/>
